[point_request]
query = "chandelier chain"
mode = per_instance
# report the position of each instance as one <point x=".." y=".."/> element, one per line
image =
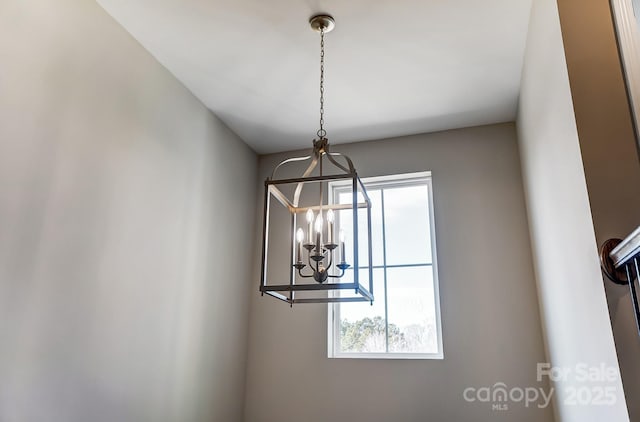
<point x="321" y="132"/>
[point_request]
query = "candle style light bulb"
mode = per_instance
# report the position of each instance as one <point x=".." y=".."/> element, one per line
<point x="309" y="216"/>
<point x="341" y="236"/>
<point x="319" y="223"/>
<point x="330" y="218"/>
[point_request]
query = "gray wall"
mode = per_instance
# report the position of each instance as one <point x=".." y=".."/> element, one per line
<point x="123" y="230"/>
<point x="609" y="154"/>
<point x="570" y="286"/>
<point x="490" y="313"/>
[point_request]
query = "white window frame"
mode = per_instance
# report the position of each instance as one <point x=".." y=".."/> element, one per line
<point x="333" y="323"/>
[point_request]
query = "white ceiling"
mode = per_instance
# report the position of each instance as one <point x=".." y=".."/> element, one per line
<point x="393" y="67"/>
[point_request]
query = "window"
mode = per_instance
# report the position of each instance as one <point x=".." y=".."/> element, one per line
<point x="404" y="319"/>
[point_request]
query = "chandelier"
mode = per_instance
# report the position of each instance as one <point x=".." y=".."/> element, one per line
<point x="317" y="222"/>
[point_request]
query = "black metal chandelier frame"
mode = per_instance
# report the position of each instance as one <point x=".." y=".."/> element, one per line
<point x="346" y="175"/>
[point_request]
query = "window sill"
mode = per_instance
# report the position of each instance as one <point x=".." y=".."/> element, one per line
<point x="395" y="356"/>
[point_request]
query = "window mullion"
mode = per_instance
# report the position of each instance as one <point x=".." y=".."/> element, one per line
<point x="384" y="263"/>
<point x="377" y="267"/>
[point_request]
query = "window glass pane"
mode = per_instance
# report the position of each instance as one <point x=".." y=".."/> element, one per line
<point x="345" y="222"/>
<point x="362" y="325"/>
<point x="407" y="225"/>
<point x="412" y="312"/>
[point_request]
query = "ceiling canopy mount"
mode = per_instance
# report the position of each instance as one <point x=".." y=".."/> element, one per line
<point x="320" y="22"/>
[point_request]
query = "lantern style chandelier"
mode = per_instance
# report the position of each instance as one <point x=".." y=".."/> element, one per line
<point x="317" y="222"/>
